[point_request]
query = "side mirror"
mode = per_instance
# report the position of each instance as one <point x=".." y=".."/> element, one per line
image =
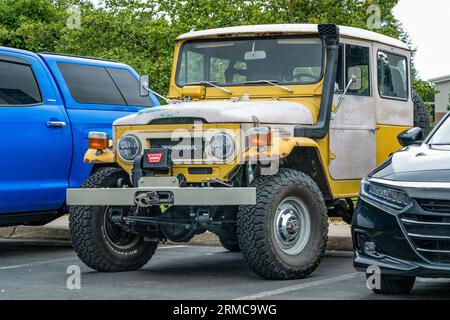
<point x="355" y="73"/>
<point x="144" y="83"/>
<point x="410" y="137"/>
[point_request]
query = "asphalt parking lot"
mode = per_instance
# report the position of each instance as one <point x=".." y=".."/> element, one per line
<point x="36" y="270"/>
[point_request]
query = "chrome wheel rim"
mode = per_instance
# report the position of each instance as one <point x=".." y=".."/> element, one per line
<point x="292" y="226"/>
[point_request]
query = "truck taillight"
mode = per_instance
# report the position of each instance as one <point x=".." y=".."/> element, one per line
<point x="98" y="140"/>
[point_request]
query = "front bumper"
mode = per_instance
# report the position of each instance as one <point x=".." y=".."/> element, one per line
<point x="162" y="191"/>
<point x="398" y="253"/>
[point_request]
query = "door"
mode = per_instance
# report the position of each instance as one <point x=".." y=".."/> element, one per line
<point x="36" y="144"/>
<point x="353" y="130"/>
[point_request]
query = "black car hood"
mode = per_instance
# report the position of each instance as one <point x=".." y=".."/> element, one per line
<point x="422" y="163"/>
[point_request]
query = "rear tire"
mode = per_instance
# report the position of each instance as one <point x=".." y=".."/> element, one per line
<point x="229" y="241"/>
<point x="395" y="285"/>
<point x="421" y="114"/>
<point x="99" y="243"/>
<point x="284" y="236"/>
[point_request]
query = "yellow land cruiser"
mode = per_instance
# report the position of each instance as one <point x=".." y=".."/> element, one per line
<point x="267" y="131"/>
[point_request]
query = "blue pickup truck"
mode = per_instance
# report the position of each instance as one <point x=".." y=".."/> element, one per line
<point x="48" y="105"/>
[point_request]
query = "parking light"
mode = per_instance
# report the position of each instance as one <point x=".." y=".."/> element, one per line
<point x="98" y="140"/>
<point x="260" y="137"/>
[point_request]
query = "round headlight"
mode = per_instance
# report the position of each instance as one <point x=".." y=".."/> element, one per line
<point x="129" y="147"/>
<point x="222" y="146"/>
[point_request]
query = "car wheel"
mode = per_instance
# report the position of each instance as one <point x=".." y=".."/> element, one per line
<point x="284" y="236"/>
<point x="395" y="285"/>
<point x="229" y="241"/>
<point x="101" y="244"/>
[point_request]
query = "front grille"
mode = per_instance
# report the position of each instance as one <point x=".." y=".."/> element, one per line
<point x="182" y="149"/>
<point x="200" y="171"/>
<point x="177" y="121"/>
<point x="439" y="206"/>
<point x="430" y="234"/>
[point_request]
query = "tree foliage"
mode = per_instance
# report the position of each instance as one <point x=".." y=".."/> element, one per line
<point x="142" y="33"/>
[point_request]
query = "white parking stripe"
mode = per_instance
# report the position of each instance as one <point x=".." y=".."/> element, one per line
<point x="32" y="264"/>
<point x="172" y="247"/>
<point x="317" y="283"/>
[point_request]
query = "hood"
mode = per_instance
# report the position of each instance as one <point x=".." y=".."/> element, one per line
<point x="269" y="112"/>
<point x="422" y="163"/>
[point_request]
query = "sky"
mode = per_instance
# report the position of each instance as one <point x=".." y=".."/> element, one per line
<point x="428" y="24"/>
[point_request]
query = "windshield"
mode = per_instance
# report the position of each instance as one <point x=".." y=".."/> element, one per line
<point x="242" y="61"/>
<point x="442" y="134"/>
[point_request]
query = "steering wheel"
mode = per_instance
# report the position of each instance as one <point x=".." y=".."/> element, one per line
<point x="306" y="75"/>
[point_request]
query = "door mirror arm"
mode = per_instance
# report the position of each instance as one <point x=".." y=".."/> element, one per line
<point x="353" y="78"/>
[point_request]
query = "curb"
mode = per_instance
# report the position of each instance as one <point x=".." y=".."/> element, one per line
<point x="335" y="243"/>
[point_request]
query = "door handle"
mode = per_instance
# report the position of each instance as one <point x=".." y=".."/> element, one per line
<point x="56" y="124"/>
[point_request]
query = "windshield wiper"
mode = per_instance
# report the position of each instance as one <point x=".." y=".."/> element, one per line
<point x="271" y="82"/>
<point x="440" y="144"/>
<point x="209" y="83"/>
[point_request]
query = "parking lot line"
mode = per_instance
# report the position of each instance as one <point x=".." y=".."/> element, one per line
<point x="317" y="283"/>
<point x="172" y="247"/>
<point x="32" y="264"/>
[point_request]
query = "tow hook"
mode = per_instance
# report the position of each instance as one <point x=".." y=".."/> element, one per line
<point x="148" y="199"/>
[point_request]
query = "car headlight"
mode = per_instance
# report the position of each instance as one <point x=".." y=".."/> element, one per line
<point x="129" y="147"/>
<point x="222" y="146"/>
<point x="391" y="197"/>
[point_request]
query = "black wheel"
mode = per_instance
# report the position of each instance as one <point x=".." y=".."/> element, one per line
<point x="421" y="114"/>
<point x="284" y="236"/>
<point x="229" y="241"/>
<point x="101" y="244"/>
<point x="395" y="285"/>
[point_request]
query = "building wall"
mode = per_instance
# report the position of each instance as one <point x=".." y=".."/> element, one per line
<point x="442" y="99"/>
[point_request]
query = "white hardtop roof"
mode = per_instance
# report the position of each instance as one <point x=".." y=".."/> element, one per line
<point x="348" y="32"/>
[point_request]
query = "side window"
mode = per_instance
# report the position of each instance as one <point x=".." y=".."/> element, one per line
<point x="191" y="68"/>
<point x="18" y="85"/>
<point x="392" y="76"/>
<point x="91" y="85"/>
<point x="357" y="63"/>
<point x="340" y="86"/>
<point x="129" y="87"/>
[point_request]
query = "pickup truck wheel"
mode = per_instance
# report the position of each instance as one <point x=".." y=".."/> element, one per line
<point x="229" y="241"/>
<point x="101" y="244"/>
<point x="284" y="236"/>
<point x="395" y="285"/>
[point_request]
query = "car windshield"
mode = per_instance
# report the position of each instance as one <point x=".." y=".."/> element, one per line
<point x="235" y="62"/>
<point x="442" y="134"/>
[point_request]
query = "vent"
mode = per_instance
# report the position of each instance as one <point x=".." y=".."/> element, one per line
<point x="437" y="206"/>
<point x="177" y="121"/>
<point x="200" y="171"/>
<point x="430" y="234"/>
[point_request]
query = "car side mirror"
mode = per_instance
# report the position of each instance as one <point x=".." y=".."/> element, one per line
<point x="355" y="73"/>
<point x="144" y="83"/>
<point x="410" y="137"/>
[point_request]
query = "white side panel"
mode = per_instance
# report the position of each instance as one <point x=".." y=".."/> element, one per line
<point x="391" y="111"/>
<point x="354" y="149"/>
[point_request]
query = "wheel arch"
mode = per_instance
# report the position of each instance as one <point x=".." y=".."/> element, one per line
<point x="307" y="159"/>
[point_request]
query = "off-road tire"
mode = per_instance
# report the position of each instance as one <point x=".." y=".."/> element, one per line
<point x="395" y="285"/>
<point x="229" y="241"/>
<point x="89" y="237"/>
<point x="421" y="114"/>
<point x="255" y="227"/>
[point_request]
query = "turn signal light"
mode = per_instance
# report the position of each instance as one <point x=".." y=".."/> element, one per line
<point x="260" y="137"/>
<point x="98" y="140"/>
